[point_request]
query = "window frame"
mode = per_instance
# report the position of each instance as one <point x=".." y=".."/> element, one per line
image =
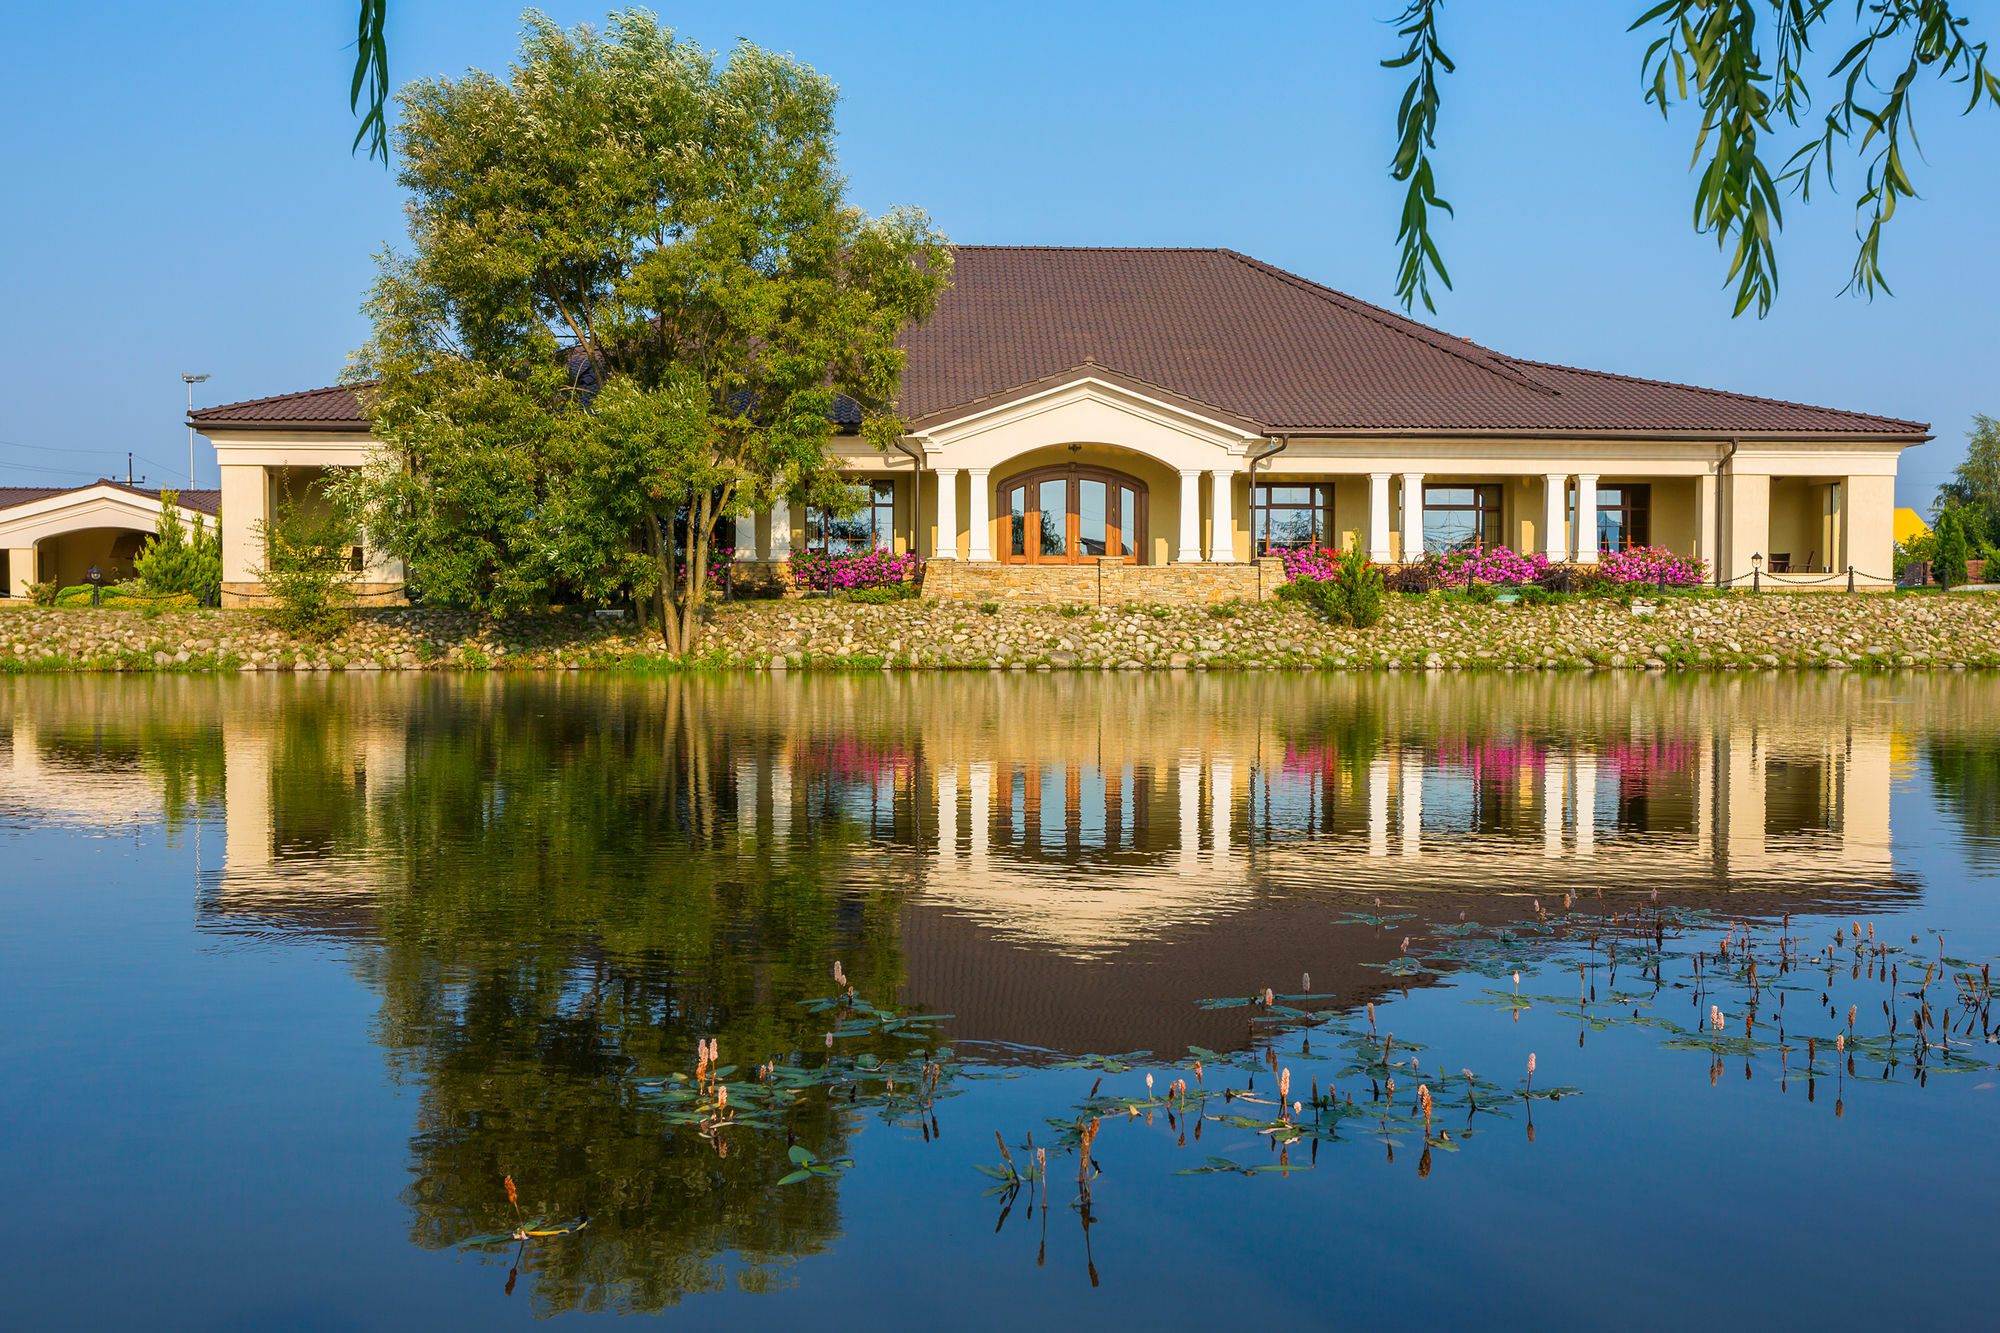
<point x="1490" y="526"/>
<point x="1635" y="511"/>
<point x="880" y="511"/>
<point x="1320" y="506"/>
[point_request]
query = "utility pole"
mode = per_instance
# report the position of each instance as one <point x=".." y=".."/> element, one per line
<point x="191" y="381"/>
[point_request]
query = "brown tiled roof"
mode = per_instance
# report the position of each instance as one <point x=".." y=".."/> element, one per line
<point x="1220" y="330"/>
<point x="1259" y="343"/>
<point x="334" y="408"/>
<point x="206" y="502"/>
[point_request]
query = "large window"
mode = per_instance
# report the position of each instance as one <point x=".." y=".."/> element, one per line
<point x="1624" y="517"/>
<point x="869" y="528"/>
<point x="1070" y="515"/>
<point x="1461" y="517"/>
<point x="1283" y="516"/>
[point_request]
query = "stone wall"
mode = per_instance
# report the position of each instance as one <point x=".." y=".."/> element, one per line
<point x="253" y="597"/>
<point x="1109" y="581"/>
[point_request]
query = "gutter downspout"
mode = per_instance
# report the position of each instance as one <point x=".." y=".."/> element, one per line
<point x="1283" y="443"/>
<point x="916" y="456"/>
<point x="1721" y="525"/>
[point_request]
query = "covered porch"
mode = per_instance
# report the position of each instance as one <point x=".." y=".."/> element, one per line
<point x="58" y="536"/>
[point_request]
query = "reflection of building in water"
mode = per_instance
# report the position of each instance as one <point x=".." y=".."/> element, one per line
<point x="1059" y="846"/>
<point x="76" y="753"/>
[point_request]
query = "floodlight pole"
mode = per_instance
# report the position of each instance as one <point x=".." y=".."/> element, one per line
<point x="191" y="381"/>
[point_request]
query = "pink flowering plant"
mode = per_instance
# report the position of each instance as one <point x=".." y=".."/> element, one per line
<point x="823" y="571"/>
<point x="1487" y="564"/>
<point x="1310" y="562"/>
<point x="1652" y="564"/>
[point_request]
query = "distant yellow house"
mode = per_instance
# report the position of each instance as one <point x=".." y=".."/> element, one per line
<point x="1909" y="526"/>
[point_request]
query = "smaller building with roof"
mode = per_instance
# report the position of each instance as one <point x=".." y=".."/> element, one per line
<point x="53" y="534"/>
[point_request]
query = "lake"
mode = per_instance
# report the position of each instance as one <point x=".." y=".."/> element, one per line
<point x="306" y="975"/>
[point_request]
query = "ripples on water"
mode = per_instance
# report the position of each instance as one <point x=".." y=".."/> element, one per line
<point x="367" y="947"/>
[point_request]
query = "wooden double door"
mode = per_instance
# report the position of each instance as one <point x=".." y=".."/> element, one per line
<point x="1071" y="515"/>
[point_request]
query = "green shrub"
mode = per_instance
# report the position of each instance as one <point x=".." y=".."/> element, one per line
<point x="1951" y="549"/>
<point x="44" y="594"/>
<point x="1228" y="610"/>
<point x="880" y="594"/>
<point x="989" y="608"/>
<point x="308" y="566"/>
<point x="181" y="561"/>
<point x="1483" y="593"/>
<point x="1361" y="589"/>
<point x="1352" y="597"/>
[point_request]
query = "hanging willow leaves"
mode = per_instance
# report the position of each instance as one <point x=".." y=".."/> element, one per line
<point x="1743" y="63"/>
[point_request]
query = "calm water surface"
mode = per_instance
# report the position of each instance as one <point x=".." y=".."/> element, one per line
<point x="298" y="972"/>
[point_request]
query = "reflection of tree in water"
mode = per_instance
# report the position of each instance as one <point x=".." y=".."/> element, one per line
<point x="1966" y="771"/>
<point x="567" y="904"/>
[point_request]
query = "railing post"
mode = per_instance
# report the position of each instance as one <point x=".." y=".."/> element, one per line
<point x="1850" y="578"/>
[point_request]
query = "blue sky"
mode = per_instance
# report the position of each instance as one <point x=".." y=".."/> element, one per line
<point x="180" y="196"/>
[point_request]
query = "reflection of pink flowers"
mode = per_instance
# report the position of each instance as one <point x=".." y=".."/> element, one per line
<point x="1643" y="759"/>
<point x="850" y="756"/>
<point x="1312" y="757"/>
<point x="1490" y="755"/>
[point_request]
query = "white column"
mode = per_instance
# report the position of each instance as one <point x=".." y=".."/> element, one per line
<point x="1190" y="552"/>
<point x="1707" y="521"/>
<point x="980" y="798"/>
<point x="781" y="797"/>
<point x="1221" y="793"/>
<point x="1555" y="515"/>
<point x="1552" y="804"/>
<point x="746" y="799"/>
<point x="1586" y="518"/>
<point x="978" y="515"/>
<point x="946" y="547"/>
<point x="1378" y="792"/>
<point x="947" y="811"/>
<point x="781" y="530"/>
<point x="246" y="503"/>
<point x="1586" y="799"/>
<point x="1410" y="803"/>
<point x="1190" y="821"/>
<point x="20" y="570"/>
<point x="1378" y="517"/>
<point x="1222" y="537"/>
<point x="1413" y="515"/>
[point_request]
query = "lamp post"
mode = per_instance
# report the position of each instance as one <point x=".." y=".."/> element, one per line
<point x="1757" y="573"/>
<point x="191" y="381"/>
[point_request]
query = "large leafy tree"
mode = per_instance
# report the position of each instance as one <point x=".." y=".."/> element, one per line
<point x="634" y="298"/>
<point x="1974" y="488"/>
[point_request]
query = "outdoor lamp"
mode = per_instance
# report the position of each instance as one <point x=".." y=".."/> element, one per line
<point x="1757" y="573"/>
<point x="96" y="577"/>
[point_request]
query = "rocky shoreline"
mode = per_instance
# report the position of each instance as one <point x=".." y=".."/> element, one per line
<point x="1438" y="632"/>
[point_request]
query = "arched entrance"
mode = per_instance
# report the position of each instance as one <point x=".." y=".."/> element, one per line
<point x="1071" y="514"/>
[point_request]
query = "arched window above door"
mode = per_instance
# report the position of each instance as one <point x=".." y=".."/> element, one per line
<point x="1071" y="514"/>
